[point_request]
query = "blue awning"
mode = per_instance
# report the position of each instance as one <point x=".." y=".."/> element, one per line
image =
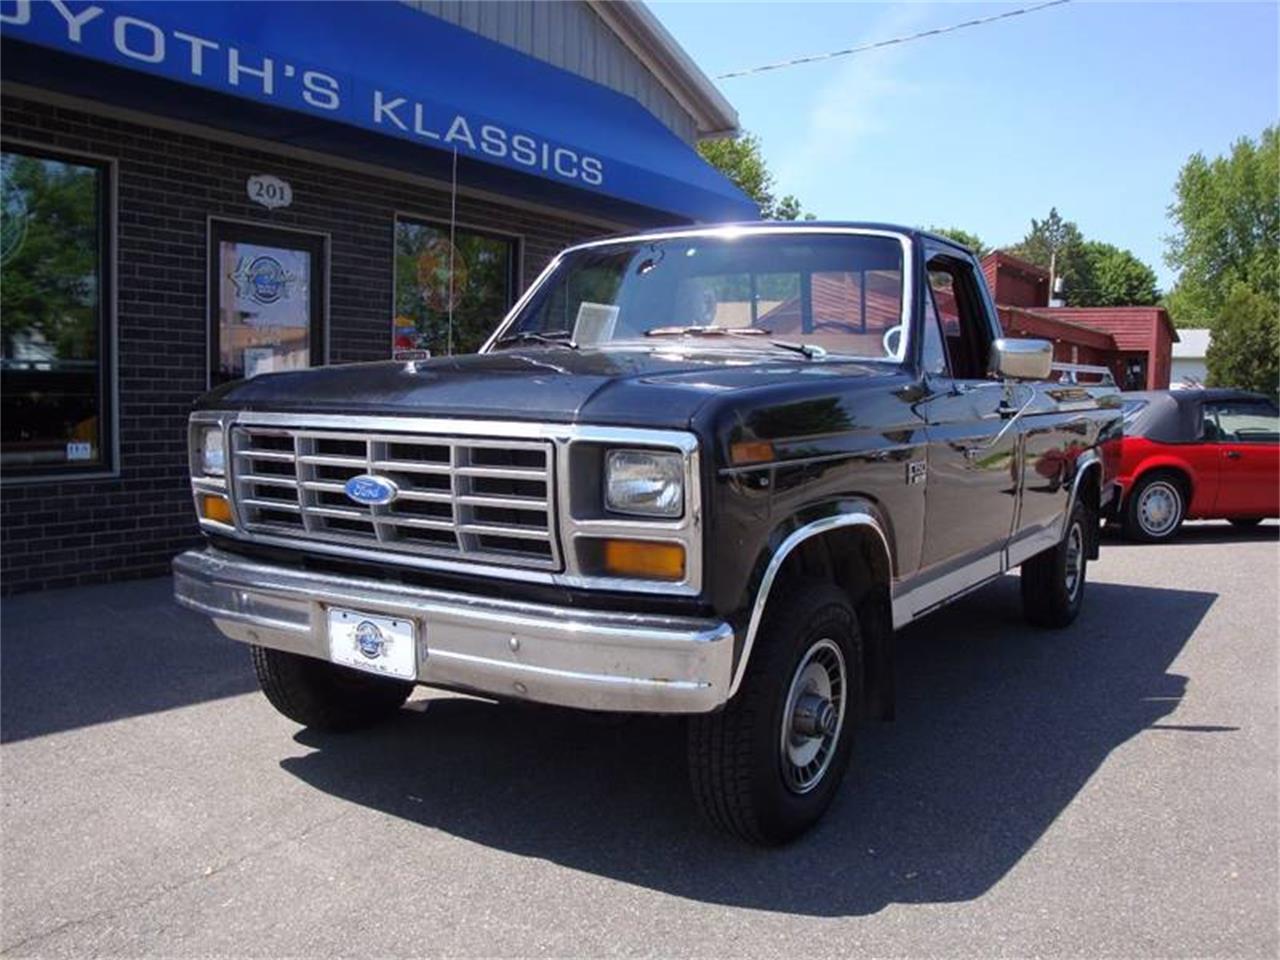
<point x="379" y="81"/>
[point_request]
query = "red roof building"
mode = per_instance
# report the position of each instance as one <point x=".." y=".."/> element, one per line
<point x="1136" y="343"/>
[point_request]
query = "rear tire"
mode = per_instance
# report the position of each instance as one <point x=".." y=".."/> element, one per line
<point x="767" y="766"/>
<point x="1053" y="582"/>
<point x="1156" y="507"/>
<point x="1245" y="523"/>
<point x="325" y="696"/>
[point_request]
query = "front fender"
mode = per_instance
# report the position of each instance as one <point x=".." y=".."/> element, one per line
<point x="787" y="537"/>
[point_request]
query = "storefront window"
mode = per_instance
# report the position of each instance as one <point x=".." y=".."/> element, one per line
<point x="480" y="289"/>
<point x="53" y="314"/>
<point x="267" y="291"/>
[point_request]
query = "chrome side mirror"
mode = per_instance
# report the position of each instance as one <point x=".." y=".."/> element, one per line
<point x="1016" y="359"/>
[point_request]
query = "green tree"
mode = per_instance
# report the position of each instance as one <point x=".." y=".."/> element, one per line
<point x="1115" y="277"/>
<point x="741" y="159"/>
<point x="1244" y="349"/>
<point x="1227" y="219"/>
<point x="1057" y="243"/>
<point x="970" y="240"/>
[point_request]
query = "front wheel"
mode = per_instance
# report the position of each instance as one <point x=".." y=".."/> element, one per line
<point x="319" y="694"/>
<point x="1053" y="581"/>
<point x="767" y="766"/>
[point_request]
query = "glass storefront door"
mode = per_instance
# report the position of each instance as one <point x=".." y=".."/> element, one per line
<point x="266" y="290"/>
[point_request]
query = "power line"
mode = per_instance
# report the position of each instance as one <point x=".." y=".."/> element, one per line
<point x="888" y="43"/>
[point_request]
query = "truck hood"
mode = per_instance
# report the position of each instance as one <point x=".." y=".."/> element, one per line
<point x="636" y="387"/>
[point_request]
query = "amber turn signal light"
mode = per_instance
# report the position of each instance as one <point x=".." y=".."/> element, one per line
<point x="643" y="558"/>
<point x="215" y="507"/>
<point x="751" y="451"/>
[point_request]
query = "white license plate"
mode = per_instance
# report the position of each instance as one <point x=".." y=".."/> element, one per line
<point x="381" y="645"/>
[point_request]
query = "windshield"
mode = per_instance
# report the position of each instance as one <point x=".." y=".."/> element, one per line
<point x="842" y="293"/>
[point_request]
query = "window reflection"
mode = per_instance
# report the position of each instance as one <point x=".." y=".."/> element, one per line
<point x="52" y="313"/>
<point x="474" y="278"/>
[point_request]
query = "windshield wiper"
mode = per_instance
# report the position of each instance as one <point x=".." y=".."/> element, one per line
<point x="559" y="338"/>
<point x="712" y="330"/>
<point x="812" y="351"/>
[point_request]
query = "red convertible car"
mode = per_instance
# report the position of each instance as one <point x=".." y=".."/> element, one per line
<point x="1197" y="454"/>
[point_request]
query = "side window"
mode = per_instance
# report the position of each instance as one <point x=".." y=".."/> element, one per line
<point x="934" y="349"/>
<point x="957" y="304"/>
<point x="1209" y="431"/>
<point x="1242" y="421"/>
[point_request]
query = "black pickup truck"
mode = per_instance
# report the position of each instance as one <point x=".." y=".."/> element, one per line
<point x="705" y="471"/>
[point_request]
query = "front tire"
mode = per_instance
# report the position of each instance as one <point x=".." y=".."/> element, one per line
<point x="1053" y="582"/>
<point x="1156" y="507"/>
<point x="322" y="695"/>
<point x="767" y="766"/>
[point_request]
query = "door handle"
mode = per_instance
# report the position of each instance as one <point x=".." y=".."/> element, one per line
<point x="1232" y="454"/>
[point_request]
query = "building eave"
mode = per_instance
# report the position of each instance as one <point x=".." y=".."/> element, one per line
<point x="1025" y="267"/>
<point x="646" y="37"/>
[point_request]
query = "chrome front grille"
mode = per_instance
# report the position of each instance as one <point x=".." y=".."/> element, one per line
<point x="485" y="500"/>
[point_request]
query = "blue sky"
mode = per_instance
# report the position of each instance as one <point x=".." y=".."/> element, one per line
<point x="1092" y="107"/>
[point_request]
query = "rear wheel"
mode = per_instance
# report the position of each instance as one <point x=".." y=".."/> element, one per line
<point x="766" y="767"/>
<point x="1053" y="582"/>
<point x="325" y="696"/>
<point x="1156" y="508"/>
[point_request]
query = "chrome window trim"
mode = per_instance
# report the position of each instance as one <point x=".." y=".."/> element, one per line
<point x="686" y="530"/>
<point x="733" y="232"/>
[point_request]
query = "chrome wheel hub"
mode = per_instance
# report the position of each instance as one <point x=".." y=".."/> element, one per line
<point x="1075" y="560"/>
<point x="1159" y="507"/>
<point x="813" y="716"/>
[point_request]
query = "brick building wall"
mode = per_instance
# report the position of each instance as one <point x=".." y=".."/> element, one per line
<point x="61" y="533"/>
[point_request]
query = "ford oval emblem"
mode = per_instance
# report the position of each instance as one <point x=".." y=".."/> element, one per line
<point x="370" y="490"/>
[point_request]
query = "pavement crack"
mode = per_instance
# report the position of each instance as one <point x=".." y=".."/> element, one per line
<point x="157" y="895"/>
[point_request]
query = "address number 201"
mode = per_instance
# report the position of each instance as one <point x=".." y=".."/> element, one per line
<point x="271" y="192"/>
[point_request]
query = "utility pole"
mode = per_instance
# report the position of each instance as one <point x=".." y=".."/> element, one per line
<point x="1055" y="281"/>
<point x="1053" y="273"/>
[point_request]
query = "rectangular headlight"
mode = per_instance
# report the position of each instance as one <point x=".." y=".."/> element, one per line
<point x="644" y="483"/>
<point x="209" y="449"/>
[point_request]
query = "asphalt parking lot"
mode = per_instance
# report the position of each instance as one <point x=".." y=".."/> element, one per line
<point x="1107" y="790"/>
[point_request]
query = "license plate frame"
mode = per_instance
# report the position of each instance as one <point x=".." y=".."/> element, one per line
<point x="373" y="643"/>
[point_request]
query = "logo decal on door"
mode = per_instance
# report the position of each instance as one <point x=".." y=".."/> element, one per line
<point x="262" y="279"/>
<point x="916" y="471"/>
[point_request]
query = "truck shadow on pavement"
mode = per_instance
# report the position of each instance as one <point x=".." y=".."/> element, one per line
<point x="999" y="727"/>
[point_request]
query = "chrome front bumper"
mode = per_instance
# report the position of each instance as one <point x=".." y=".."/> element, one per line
<point x="589" y="659"/>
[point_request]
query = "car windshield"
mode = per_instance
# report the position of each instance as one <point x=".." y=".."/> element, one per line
<point x="840" y="293"/>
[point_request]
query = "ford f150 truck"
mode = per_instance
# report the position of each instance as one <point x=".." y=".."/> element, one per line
<point x="705" y="471"/>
